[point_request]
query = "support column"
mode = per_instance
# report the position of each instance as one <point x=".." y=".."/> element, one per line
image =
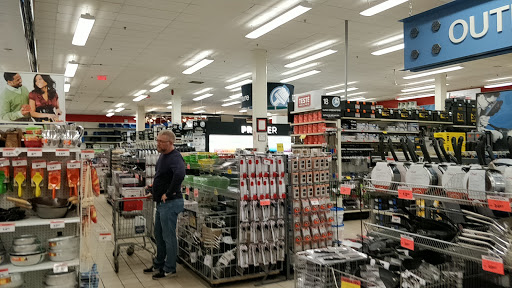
<point x="140" y="120"/>
<point x="176" y="109"/>
<point x="440" y="91"/>
<point x="259" y="97"/>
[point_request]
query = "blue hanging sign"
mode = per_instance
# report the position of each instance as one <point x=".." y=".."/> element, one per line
<point x="460" y="31"/>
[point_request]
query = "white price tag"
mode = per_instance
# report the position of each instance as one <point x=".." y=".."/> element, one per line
<point x="38" y="165"/>
<point x="10" y="152"/>
<point x="18" y="163"/>
<point x="34" y="152"/>
<point x="315" y="202"/>
<point x="57" y="224"/>
<point x="87" y="154"/>
<point x="73" y="165"/>
<point x="208" y="261"/>
<point x="54" y="167"/>
<point x="329" y="159"/>
<point x="60" y="268"/>
<point x="105" y="237"/>
<point x="395" y="219"/>
<point x="4" y="273"/>
<point x="62" y="152"/>
<point x="7" y="227"/>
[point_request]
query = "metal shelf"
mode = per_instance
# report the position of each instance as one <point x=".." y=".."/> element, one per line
<point x="308" y="145"/>
<point x="463" y="126"/>
<point x="104" y="142"/>
<point x="47" y="265"/>
<point x="357" y="211"/>
<point x="36" y="221"/>
<point x="103" y="136"/>
<point x="314" y="122"/>
<point x="233" y="193"/>
<point x="309" y="111"/>
<point x="380" y="132"/>
<point x="45" y="150"/>
<point x="307" y="134"/>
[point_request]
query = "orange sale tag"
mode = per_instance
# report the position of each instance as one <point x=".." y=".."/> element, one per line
<point x="499" y="203"/>
<point x="345" y="189"/>
<point x="405" y="193"/>
<point x="187" y="190"/>
<point x="493" y="265"/>
<point x="407" y="242"/>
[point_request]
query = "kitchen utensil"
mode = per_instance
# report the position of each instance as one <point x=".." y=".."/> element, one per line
<point x="24" y="240"/>
<point x="54" y="182"/>
<point x="2" y="184"/>
<point x="55" y="279"/>
<point x="19" y="178"/>
<point x="63" y="255"/>
<point x="34" y="247"/>
<point x="46" y="208"/>
<point x="27" y="259"/>
<point x="73" y="181"/>
<point x="60" y="243"/>
<point x="37" y="180"/>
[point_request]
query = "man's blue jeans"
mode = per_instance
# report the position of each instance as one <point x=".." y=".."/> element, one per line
<point x="165" y="234"/>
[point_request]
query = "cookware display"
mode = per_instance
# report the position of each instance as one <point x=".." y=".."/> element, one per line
<point x="65" y="279"/>
<point x="45" y="207"/>
<point x="385" y="174"/>
<point x="420" y="174"/>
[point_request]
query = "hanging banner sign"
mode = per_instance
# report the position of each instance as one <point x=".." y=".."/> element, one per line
<point x="278" y="95"/>
<point x="457" y="32"/>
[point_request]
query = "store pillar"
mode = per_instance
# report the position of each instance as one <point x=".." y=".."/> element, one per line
<point x="440" y="91"/>
<point x="176" y="109"/>
<point x="259" y="97"/>
<point x="140" y="119"/>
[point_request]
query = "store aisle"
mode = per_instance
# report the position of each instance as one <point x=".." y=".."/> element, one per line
<point x="130" y="267"/>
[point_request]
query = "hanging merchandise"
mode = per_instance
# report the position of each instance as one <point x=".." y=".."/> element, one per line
<point x="73" y="176"/>
<point x="54" y="176"/>
<point x="20" y="174"/>
<point x="4" y="174"/>
<point x="37" y="175"/>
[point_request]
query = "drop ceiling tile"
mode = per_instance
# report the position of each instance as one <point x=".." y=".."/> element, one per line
<point x="135" y="19"/>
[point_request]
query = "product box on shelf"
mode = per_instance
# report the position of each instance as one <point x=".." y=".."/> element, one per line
<point x="442" y="116"/>
<point x="385" y="113"/>
<point x="352" y="105"/>
<point x="406" y="114"/>
<point x="471" y="112"/>
<point x="424" y="115"/>
<point x="447" y="136"/>
<point x="352" y="113"/>
<point x="368" y="105"/>
<point x="368" y="113"/>
<point x="459" y="111"/>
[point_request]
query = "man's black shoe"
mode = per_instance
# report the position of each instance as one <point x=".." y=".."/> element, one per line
<point x="162" y="274"/>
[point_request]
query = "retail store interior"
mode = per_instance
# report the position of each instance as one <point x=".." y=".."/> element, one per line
<point x="325" y="143"/>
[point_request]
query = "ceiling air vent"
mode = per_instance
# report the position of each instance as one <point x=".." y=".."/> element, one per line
<point x="196" y="82"/>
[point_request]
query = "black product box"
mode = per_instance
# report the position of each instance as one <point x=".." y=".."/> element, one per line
<point x="405" y="114"/>
<point x="368" y="105"/>
<point x="471" y="112"/>
<point x="352" y="113"/>
<point x="385" y="113"/>
<point x="459" y="113"/>
<point x="349" y="124"/>
<point x="368" y="113"/>
<point x="424" y="115"/>
<point x="352" y="105"/>
<point x="442" y="116"/>
<point x="448" y="104"/>
<point x="413" y="114"/>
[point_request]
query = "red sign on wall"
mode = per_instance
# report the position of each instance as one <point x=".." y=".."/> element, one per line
<point x="304" y="101"/>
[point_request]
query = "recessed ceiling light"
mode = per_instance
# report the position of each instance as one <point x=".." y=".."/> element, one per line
<point x="230" y="103"/>
<point x="83" y="29"/>
<point x="67" y="86"/>
<point x="202" y="91"/>
<point x="236" y="89"/>
<point x="119" y="109"/>
<point x="498" y="85"/>
<point x="110" y="114"/>
<point x="339" y="85"/>
<point x="110" y="110"/>
<point x="235" y="96"/>
<point x="199" y="112"/>
<point x="498" y="79"/>
<point x="239" y="77"/>
<point x="199" y="56"/>
<point x="170" y="102"/>
<point x="311" y="49"/>
<point x="389" y="49"/>
<point x="219" y="112"/>
<point x="199" y="108"/>
<point x="242" y="110"/>
<point x="152" y="109"/>
<point x="310" y="58"/>
<point x="239" y="84"/>
<point x="390" y="40"/>
<point x="119" y="104"/>
<point x="169" y="107"/>
<point x="139" y="98"/>
<point x="444" y="70"/>
<point x="159" y="87"/>
<point x="382" y="7"/>
<point x="418" y="88"/>
<point x="419" y="82"/>
<point x="159" y="81"/>
<point x="303" y="75"/>
<point x="199" y="65"/>
<point x="416" y="92"/>
<point x="341" y="91"/>
<point x="203" y="97"/>
<point x="310" y="65"/>
<point x="280" y="20"/>
<point x="414" y="97"/>
<point x="71" y="68"/>
<point x="140" y="92"/>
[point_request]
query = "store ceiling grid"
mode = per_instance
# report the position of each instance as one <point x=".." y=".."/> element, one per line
<point x="162" y="35"/>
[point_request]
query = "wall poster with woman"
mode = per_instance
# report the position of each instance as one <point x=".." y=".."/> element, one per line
<point x="32" y="97"/>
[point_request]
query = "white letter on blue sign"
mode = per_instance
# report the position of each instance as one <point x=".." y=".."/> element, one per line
<point x="464" y="34"/>
<point x="499" y="16"/>
<point x="472" y="26"/>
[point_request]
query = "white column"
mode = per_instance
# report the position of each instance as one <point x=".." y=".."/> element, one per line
<point x="259" y="97"/>
<point x="176" y="109"/>
<point x="440" y="91"/>
<point x="140" y="120"/>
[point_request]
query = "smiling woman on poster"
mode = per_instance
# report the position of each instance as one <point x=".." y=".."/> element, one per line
<point x="43" y="100"/>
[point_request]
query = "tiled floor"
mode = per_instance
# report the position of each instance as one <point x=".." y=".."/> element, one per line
<point x="130" y="267"/>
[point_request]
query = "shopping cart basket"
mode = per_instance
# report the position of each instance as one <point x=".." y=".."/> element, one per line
<point x="132" y="218"/>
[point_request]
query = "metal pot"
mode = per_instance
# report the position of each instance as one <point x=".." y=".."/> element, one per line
<point x="15" y="281"/>
<point x="56" y="279"/>
<point x="27" y="259"/>
<point x="24" y="240"/>
<point x="63" y="255"/>
<point x="59" y="243"/>
<point x="45" y="207"/>
<point x="35" y="247"/>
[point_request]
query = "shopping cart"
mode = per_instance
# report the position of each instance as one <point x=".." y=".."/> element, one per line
<point x="132" y="218"/>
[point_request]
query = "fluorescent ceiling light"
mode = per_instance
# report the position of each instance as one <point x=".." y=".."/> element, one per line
<point x="339" y="85"/>
<point x="389" y="49"/>
<point x="239" y="77"/>
<point x="236" y="89"/>
<point x="287" y="16"/>
<point x="227" y="99"/>
<point x="169" y="107"/>
<point x="341" y="91"/>
<point x="119" y="104"/>
<point x="235" y="96"/>
<point x="416" y="92"/>
<point x="230" y="103"/>
<point x="83" y="29"/>
<point x="139" y="98"/>
<point x="310" y="65"/>
<point x="199" y="112"/>
<point x="357" y="99"/>
<point x="202" y="97"/>
<point x="311" y="49"/>
<point x="110" y="114"/>
<point x="303" y="75"/>
<point x="199" y="65"/>
<point x="67" y="86"/>
<point x="71" y="69"/>
<point x="498" y="79"/>
<point x="158" y="88"/>
<point x="310" y="58"/>
<point x="202" y="91"/>
<point x="498" y="85"/>
<point x="415" y="96"/>
<point x="382" y="7"/>
<point x="119" y="109"/>
<point x="242" y="111"/>
<point x="197" y="57"/>
<point x="390" y="40"/>
<point x="152" y="109"/>
<point x="239" y="84"/>
<point x="159" y="81"/>
<point x="110" y="110"/>
<point x="219" y="112"/>
<point x="140" y="92"/>
<point x="418" y="88"/>
<point x="419" y="82"/>
<point x="170" y="102"/>
<point x="444" y="70"/>
<point x="199" y="108"/>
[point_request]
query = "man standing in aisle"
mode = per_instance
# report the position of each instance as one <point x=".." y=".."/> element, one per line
<point x="14" y="99"/>
<point x="170" y="172"/>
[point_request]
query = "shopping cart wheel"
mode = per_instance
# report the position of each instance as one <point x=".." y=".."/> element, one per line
<point x="116" y="265"/>
<point x="130" y="250"/>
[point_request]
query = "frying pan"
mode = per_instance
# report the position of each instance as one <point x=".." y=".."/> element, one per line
<point x="402" y="167"/>
<point x="419" y="174"/>
<point x="45" y="207"/>
<point x="384" y="175"/>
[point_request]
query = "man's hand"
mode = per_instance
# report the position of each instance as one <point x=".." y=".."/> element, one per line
<point x="164" y="197"/>
<point x="25" y="110"/>
<point x="484" y="121"/>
